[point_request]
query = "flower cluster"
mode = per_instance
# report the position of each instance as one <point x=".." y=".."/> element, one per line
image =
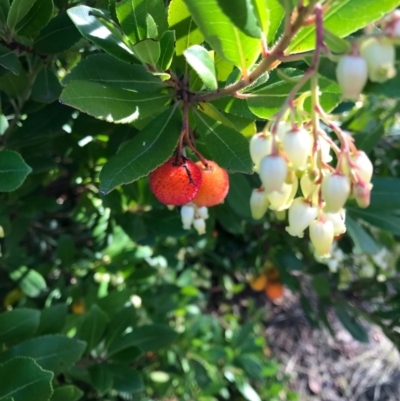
<point x="191" y="214"/>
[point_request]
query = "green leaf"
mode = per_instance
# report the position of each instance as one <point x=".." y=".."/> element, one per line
<point x="268" y="100"/>
<point x="350" y="323"/>
<point x="4" y="9"/>
<point x="229" y="148"/>
<point x="18" y="325"/>
<point x="59" y="35"/>
<point x="22" y="379"/>
<point x="101" y="33"/>
<point x="14" y="85"/>
<point x="30" y="281"/>
<point x="227" y="40"/>
<point x="18" y="10"/>
<point x="242" y="15"/>
<point x="3" y="124"/>
<point x="144" y="153"/>
<point x="239" y="195"/>
<point x="46" y="88"/>
<point x="334" y="43"/>
<point x="120" y="321"/>
<point x="276" y="14"/>
<point x="147" y="338"/>
<point x="13" y="170"/>
<point x="321" y="286"/>
<point x="132" y="17"/>
<point x="180" y="20"/>
<point x="36" y="18"/>
<point x="111" y="104"/>
<point x="337" y="20"/>
<point x="66" y="249"/>
<point x="200" y="60"/>
<point x="167" y="46"/>
<point x="126" y="379"/>
<point x="9" y="60"/>
<point x="101" y="378"/>
<point x="148" y="51"/>
<point x="67" y="393"/>
<point x="109" y="71"/>
<point x="114" y="301"/>
<point x="93" y="326"/>
<point x="385" y="194"/>
<point x="363" y="242"/>
<point x="52" y="352"/>
<point x="52" y="319"/>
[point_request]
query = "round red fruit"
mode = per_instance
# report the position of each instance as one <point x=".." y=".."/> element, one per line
<point x="176" y="182"/>
<point x="215" y="185"/>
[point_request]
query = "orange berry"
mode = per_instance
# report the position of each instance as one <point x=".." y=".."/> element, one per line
<point x="274" y="290"/>
<point x="176" y="183"/>
<point x="258" y="283"/>
<point x="215" y="185"/>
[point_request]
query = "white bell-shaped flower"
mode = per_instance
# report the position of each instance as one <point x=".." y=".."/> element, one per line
<point x="260" y="146"/>
<point x="301" y="214"/>
<point x="392" y="27"/>
<point x="187" y="216"/>
<point x="325" y="149"/>
<point x="364" y="166"/>
<point x="281" y="200"/>
<point x="322" y="235"/>
<point x="335" y="191"/>
<point x="258" y="203"/>
<point x="202" y="212"/>
<point x="309" y="188"/>
<point x="380" y="57"/>
<point x="362" y="194"/>
<point x="273" y="171"/>
<point x="199" y="225"/>
<point x="338" y="220"/>
<point x="283" y="127"/>
<point x="352" y="75"/>
<point x="297" y="144"/>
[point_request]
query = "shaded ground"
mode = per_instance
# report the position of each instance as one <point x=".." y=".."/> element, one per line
<point x="323" y="368"/>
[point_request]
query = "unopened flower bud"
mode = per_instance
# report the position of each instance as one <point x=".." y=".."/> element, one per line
<point x="309" y="188"/>
<point x="352" y="75"/>
<point x="273" y="171"/>
<point x="260" y="146"/>
<point x="325" y="148"/>
<point x="335" y="191"/>
<point x="362" y="194"/>
<point x="187" y="216"/>
<point x="364" y="166"/>
<point x="281" y="200"/>
<point x="338" y="221"/>
<point x="392" y="27"/>
<point x="283" y="127"/>
<point x="301" y="214"/>
<point x="199" y="225"/>
<point x="203" y="212"/>
<point x="297" y="145"/>
<point x="258" y="203"/>
<point x="321" y="235"/>
<point x="280" y="214"/>
<point x="380" y="58"/>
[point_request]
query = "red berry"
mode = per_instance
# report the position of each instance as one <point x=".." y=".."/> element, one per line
<point x="215" y="185"/>
<point x="176" y="183"/>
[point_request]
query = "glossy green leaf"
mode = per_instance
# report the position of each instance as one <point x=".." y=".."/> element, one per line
<point x="343" y="18"/>
<point x="59" y="35"/>
<point x="52" y="319"/>
<point x="143" y="154"/>
<point x="92" y="328"/>
<point x="148" y="51"/>
<point x="22" y="379"/>
<point x="227" y="40"/>
<point x="18" y="10"/>
<point x="167" y="49"/>
<point x="363" y="242"/>
<point x="36" y="18"/>
<point x="4" y="124"/>
<point x="14" y="85"/>
<point x="262" y="13"/>
<point x="383" y="219"/>
<point x="109" y="71"/>
<point x="52" y="352"/>
<point x="13" y="170"/>
<point x="119" y="322"/>
<point x="334" y="43"/>
<point x="242" y="15"/>
<point x="385" y="194"/>
<point x="146" y="338"/>
<point x="18" y="325"/>
<point x="30" y="281"/>
<point x="46" y="88"/>
<point x="101" y="378"/>
<point x="4" y="9"/>
<point x="111" y="104"/>
<point x="9" y="60"/>
<point x="229" y="148"/>
<point x="350" y="323"/>
<point x="152" y="32"/>
<point x="180" y="20"/>
<point x="67" y="393"/>
<point x="235" y="106"/>
<point x="201" y="61"/>
<point x="268" y="100"/>
<point x="276" y="14"/>
<point x="101" y="33"/>
<point x="132" y="17"/>
<point x="126" y="379"/>
<point x="238" y="197"/>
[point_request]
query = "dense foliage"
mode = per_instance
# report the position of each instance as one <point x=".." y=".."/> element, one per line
<point x="104" y="295"/>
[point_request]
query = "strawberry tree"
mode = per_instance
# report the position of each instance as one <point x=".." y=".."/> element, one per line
<point x="156" y="155"/>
